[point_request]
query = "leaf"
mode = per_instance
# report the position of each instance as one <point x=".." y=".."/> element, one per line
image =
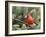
<point x="38" y="26"/>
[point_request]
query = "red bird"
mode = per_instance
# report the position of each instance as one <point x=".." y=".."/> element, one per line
<point x="29" y="19"/>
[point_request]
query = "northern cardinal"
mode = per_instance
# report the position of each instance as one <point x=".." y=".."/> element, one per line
<point x="29" y="19"/>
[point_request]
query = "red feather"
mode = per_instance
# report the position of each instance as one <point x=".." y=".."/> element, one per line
<point x="29" y="20"/>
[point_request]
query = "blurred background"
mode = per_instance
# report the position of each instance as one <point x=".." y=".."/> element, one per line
<point x="18" y="14"/>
